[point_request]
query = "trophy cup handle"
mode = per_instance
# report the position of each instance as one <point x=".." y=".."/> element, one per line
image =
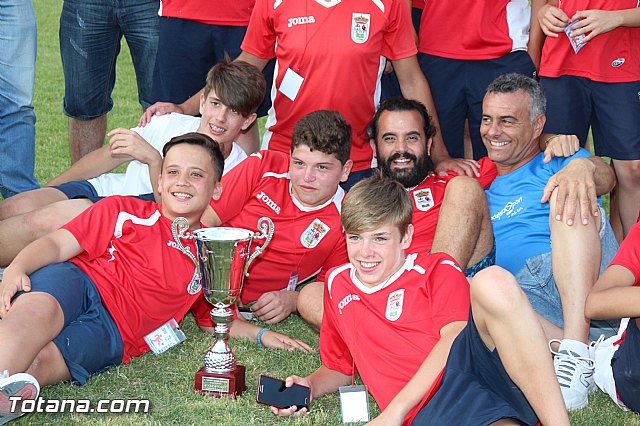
<point x="266" y="228"/>
<point x="179" y="229"/>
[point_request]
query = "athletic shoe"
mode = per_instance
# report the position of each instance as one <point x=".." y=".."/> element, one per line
<point x="21" y="384"/>
<point x="575" y="375"/>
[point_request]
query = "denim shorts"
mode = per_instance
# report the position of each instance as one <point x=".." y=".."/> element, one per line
<point x="90" y="36"/>
<point x="89" y="341"/>
<point x="475" y="387"/>
<point x="536" y="280"/>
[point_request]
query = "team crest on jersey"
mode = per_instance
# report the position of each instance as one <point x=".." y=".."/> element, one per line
<point x="196" y="283"/>
<point x="394" y="305"/>
<point x="360" y="23"/>
<point x="314" y="233"/>
<point x="616" y="63"/>
<point x="424" y="199"/>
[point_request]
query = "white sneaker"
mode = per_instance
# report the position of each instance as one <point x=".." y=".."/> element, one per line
<point x="575" y="375"/>
<point x="20" y="384"/>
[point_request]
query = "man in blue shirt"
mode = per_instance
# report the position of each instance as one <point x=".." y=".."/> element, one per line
<point x="533" y="203"/>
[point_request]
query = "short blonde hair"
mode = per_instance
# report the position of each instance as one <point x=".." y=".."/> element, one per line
<point x="375" y="202"/>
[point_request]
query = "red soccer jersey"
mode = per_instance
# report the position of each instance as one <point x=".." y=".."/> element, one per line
<point x="427" y="200"/>
<point x="474" y="30"/>
<point x="628" y="255"/>
<point x="612" y="57"/>
<point x="389" y="330"/>
<point x="229" y="13"/>
<point x="306" y="240"/>
<point x="337" y="48"/>
<point x="144" y="280"/>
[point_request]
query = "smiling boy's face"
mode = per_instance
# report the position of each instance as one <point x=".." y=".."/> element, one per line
<point x="188" y="182"/>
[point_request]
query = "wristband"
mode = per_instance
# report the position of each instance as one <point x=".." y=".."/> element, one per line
<point x="546" y="143"/>
<point x="259" y="337"/>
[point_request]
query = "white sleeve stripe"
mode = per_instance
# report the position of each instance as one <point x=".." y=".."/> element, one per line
<point x="333" y="275"/>
<point x="379" y="4"/>
<point x="450" y="263"/>
<point x="276" y="175"/>
<point x="124" y="216"/>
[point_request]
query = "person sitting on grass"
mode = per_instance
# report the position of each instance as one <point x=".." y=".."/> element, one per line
<point x="228" y="106"/>
<point x="616" y="295"/>
<point x="83" y="298"/>
<point x="300" y="192"/>
<point x="397" y="317"/>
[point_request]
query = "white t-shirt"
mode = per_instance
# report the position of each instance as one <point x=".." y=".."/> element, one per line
<point x="135" y="180"/>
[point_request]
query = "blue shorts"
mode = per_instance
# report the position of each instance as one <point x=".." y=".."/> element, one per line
<point x="355" y="177"/>
<point x="485" y="262"/>
<point x="612" y="110"/>
<point x="475" y="388"/>
<point x="536" y="280"/>
<point x="458" y="88"/>
<point x="186" y="52"/>
<point x="89" y="341"/>
<point x="79" y="189"/>
<point x="83" y="189"/>
<point x="90" y="35"/>
<point x="625" y="365"/>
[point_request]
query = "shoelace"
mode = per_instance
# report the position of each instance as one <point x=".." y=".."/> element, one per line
<point x="566" y="364"/>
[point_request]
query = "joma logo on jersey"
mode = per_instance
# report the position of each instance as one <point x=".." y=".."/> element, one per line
<point x="348" y="299"/>
<point x="268" y="201"/>
<point x="301" y="21"/>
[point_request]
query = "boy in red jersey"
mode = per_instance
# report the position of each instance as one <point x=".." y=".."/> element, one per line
<point x="616" y="294"/>
<point x="91" y="291"/>
<point x="396" y="318"/>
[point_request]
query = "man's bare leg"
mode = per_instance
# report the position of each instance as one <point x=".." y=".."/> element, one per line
<point x="507" y="322"/>
<point x="28" y="201"/>
<point x="310" y="304"/>
<point x="464" y="225"/>
<point x="18" y="231"/>
<point x="86" y="136"/>
<point x="575" y="253"/>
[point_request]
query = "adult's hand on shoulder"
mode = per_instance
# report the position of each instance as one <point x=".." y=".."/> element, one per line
<point x="576" y="189"/>
<point x="561" y="146"/>
<point x="293" y="410"/>
<point x="460" y="166"/>
<point x="159" y="108"/>
<point x="274" y="306"/>
<point x="552" y="20"/>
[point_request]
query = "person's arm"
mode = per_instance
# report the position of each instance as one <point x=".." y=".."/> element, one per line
<point x="91" y="165"/>
<point x="595" y="22"/>
<point x="536" y="36"/>
<point x="414" y="85"/>
<point x="613" y="295"/>
<point x="57" y="246"/>
<point x="240" y="328"/>
<point x="580" y="183"/>
<point x="421" y="382"/>
<point x="322" y="381"/>
<point x="274" y="306"/>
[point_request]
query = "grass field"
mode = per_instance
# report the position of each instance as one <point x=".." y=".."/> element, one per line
<point x="167" y="380"/>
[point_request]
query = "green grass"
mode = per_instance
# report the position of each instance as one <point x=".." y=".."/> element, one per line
<point x="167" y="380"/>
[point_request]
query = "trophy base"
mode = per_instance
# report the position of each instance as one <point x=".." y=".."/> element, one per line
<point x="220" y="384"/>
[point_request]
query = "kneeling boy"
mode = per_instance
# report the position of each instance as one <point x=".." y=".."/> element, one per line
<point x="397" y="318"/>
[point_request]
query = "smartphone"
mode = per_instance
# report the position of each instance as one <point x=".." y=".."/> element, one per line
<point x="246" y="312"/>
<point x="273" y="392"/>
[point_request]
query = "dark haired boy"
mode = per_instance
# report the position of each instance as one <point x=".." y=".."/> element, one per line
<point x="301" y="194"/>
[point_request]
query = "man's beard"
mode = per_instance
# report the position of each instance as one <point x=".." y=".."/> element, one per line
<point x="408" y="177"/>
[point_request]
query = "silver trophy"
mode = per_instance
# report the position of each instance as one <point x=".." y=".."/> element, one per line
<point x="223" y="259"/>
